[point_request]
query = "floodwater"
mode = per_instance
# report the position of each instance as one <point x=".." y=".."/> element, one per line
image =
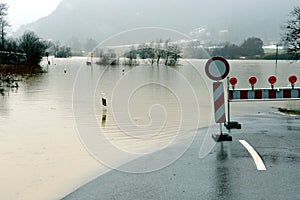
<point x="53" y="138"/>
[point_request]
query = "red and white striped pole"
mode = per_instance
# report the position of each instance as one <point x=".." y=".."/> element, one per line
<point x="217" y="68"/>
<point x="219" y="103"/>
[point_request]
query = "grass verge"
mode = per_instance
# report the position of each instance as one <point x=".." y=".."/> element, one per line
<point x="289" y="111"/>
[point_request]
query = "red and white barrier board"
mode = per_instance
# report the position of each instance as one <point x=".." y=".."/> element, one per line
<point x="264" y="94"/>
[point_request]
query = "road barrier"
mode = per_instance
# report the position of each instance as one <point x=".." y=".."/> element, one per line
<point x="217" y="68"/>
<point x="259" y="94"/>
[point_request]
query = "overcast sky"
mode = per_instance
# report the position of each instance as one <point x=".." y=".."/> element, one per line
<point x="26" y="11"/>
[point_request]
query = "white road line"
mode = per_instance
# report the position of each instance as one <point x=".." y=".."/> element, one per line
<point x="257" y="159"/>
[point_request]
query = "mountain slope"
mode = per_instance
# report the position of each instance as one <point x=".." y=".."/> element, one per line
<point x="99" y="19"/>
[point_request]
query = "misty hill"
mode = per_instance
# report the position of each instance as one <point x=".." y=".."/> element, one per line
<point x="227" y="20"/>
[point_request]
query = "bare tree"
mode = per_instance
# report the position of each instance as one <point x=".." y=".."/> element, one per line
<point x="174" y="53"/>
<point x="167" y="52"/>
<point x="3" y="23"/>
<point x="33" y="47"/>
<point x="131" y="55"/>
<point x="158" y="51"/>
<point x="291" y="35"/>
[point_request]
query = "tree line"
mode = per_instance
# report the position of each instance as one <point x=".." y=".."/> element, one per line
<point x="27" y="49"/>
<point x="167" y="53"/>
<point x="30" y="48"/>
<point x="251" y="48"/>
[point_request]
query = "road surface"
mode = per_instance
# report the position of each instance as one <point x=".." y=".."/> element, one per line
<point x="228" y="172"/>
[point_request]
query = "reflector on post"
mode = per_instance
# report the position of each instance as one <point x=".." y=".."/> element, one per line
<point x="252" y="80"/>
<point x="233" y="82"/>
<point x="272" y="81"/>
<point x="292" y="80"/>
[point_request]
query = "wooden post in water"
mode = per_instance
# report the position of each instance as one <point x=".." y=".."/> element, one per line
<point x="104" y="109"/>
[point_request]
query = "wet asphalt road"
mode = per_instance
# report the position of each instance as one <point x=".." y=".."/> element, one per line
<point x="228" y="172"/>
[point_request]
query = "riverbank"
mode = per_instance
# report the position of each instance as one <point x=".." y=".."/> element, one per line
<point x="20" y="69"/>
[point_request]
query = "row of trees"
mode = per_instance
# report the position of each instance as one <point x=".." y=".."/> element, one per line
<point x="78" y="45"/>
<point x="58" y="50"/>
<point x="159" y="52"/>
<point x="251" y="47"/>
<point x="167" y="53"/>
<point x="107" y="57"/>
<point x="27" y="49"/>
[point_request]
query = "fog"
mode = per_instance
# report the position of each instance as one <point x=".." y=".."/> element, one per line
<point x="216" y="20"/>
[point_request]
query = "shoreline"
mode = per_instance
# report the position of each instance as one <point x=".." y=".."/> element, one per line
<point x="113" y="183"/>
<point x="241" y="118"/>
<point x="20" y="69"/>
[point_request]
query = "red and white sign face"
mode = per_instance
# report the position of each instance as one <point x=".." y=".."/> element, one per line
<point x="217" y="68"/>
<point x="219" y="103"/>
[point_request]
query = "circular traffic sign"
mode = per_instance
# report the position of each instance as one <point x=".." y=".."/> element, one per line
<point x="217" y="68"/>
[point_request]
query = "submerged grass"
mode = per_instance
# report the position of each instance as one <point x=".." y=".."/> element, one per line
<point x="289" y="111"/>
<point x="20" y="69"/>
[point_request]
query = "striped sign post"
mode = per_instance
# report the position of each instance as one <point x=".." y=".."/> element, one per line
<point x="219" y="103"/>
<point x="217" y="68"/>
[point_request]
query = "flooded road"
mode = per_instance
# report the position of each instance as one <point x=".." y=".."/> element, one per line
<point x="50" y="127"/>
<point x="228" y="172"/>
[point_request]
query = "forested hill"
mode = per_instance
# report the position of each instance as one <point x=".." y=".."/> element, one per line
<point x="232" y="20"/>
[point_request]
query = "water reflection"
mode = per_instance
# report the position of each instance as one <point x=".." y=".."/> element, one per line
<point x="223" y="173"/>
<point x="291" y="125"/>
<point x="223" y="152"/>
<point x="104" y="115"/>
<point x="3" y="105"/>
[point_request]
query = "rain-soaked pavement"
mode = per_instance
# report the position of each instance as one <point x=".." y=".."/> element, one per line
<point x="228" y="172"/>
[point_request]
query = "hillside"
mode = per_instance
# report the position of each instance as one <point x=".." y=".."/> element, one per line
<point x="229" y="20"/>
